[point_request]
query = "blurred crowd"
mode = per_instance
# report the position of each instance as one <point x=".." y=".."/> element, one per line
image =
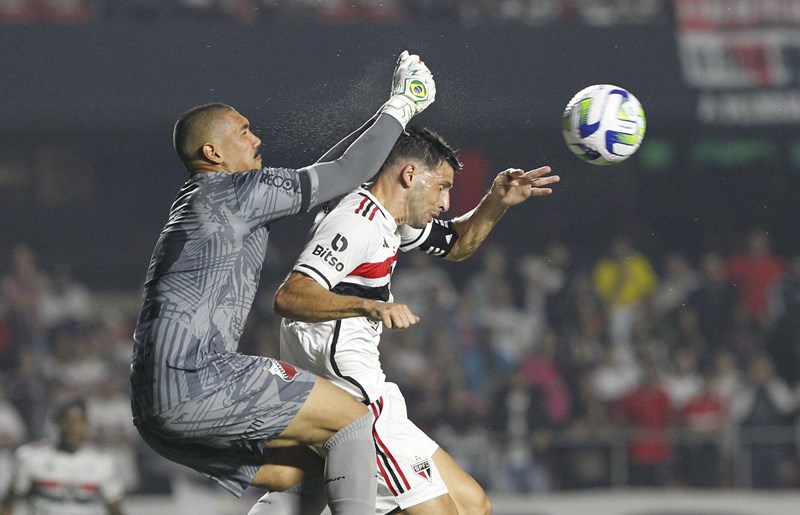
<point x="537" y="371"/>
<point x="531" y="12"/>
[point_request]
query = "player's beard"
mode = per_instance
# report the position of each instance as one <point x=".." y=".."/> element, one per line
<point x="417" y="210"/>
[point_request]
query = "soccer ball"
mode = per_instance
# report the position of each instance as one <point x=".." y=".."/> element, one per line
<point x="603" y="124"/>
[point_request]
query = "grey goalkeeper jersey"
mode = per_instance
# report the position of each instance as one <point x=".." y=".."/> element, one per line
<point x="205" y="268"/>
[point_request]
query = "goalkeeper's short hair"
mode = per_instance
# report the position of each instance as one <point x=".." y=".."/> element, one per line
<point x="425" y="145"/>
<point x="194" y="127"/>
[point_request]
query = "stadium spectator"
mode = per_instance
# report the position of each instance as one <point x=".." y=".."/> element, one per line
<point x="677" y="282"/>
<point x="541" y="371"/>
<point x="714" y="300"/>
<point x="12" y="433"/>
<point x="754" y="271"/>
<point x="588" y="439"/>
<point x="683" y="382"/>
<point x="648" y="416"/>
<point x="784" y="322"/>
<point x="625" y="280"/>
<point x="426" y="288"/>
<point x="64" y="301"/>
<point x="617" y="373"/>
<point x="761" y="410"/>
<point x="727" y="374"/>
<point x="510" y="332"/>
<point x="22" y="288"/>
<point x="109" y="408"/>
<point x="518" y="412"/>
<point x="703" y="419"/>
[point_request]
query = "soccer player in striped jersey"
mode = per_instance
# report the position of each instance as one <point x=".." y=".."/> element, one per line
<point x="195" y="399"/>
<point x="68" y="476"/>
<point x="336" y="301"/>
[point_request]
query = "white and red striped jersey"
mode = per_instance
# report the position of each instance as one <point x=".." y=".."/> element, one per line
<point x="55" y="482"/>
<point x="353" y="251"/>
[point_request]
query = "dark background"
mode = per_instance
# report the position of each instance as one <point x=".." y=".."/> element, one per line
<point x="86" y="114"/>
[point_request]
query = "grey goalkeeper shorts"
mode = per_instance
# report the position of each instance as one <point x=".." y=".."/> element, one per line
<point x="223" y="434"/>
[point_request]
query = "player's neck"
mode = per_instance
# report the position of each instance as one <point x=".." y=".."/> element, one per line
<point x="392" y="197"/>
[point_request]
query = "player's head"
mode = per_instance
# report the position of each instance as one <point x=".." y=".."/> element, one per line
<point x="73" y="424"/>
<point x="426" y="165"/>
<point x="215" y="137"/>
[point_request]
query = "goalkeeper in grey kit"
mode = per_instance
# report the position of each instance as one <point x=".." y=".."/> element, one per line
<point x="238" y="419"/>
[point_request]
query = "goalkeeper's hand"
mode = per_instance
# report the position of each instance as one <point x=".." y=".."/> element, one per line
<point x="414" y="81"/>
<point x="413" y="89"/>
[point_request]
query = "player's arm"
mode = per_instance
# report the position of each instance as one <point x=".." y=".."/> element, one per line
<point x="510" y="187"/>
<point x="303" y="299"/>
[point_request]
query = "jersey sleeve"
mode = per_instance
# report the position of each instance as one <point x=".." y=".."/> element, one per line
<point x="270" y="194"/>
<point x="338" y="245"/>
<point x="437" y="238"/>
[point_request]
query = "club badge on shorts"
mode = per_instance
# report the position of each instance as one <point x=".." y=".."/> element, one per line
<point x="423" y="469"/>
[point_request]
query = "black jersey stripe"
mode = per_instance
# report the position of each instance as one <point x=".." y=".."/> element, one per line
<point x="370" y="206"/>
<point x="327" y="282"/>
<point x="365" y="292"/>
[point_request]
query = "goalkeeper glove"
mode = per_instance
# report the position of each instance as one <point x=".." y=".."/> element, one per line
<point x="413" y="89"/>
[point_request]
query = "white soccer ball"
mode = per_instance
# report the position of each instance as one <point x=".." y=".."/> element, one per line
<point x="603" y="124"/>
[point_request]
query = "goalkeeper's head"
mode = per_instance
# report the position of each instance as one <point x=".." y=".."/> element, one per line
<point x="419" y="172"/>
<point x="216" y="138"/>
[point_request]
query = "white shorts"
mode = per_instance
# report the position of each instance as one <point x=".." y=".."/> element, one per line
<point x="407" y="475"/>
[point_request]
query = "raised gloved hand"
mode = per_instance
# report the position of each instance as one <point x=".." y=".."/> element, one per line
<point x="413" y="89"/>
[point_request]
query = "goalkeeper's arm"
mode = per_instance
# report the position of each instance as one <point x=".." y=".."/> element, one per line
<point x="360" y="155"/>
<point x="358" y="162"/>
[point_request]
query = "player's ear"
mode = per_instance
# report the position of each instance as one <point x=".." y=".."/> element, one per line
<point x="209" y="152"/>
<point x="407" y="175"/>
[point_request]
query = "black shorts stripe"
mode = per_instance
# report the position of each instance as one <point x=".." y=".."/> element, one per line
<point x="335" y="367"/>
<point x="396" y="484"/>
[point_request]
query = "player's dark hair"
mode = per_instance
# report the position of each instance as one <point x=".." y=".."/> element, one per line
<point x="191" y="124"/>
<point x="62" y="408"/>
<point x="425" y="145"/>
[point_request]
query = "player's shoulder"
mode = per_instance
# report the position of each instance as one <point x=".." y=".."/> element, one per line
<point x="358" y="208"/>
<point x="33" y="449"/>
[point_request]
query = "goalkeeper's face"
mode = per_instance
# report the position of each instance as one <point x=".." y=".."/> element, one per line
<point x="238" y="146"/>
<point x="429" y="195"/>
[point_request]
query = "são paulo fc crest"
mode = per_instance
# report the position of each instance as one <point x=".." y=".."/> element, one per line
<point x="422" y="469"/>
<point x="283" y="370"/>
